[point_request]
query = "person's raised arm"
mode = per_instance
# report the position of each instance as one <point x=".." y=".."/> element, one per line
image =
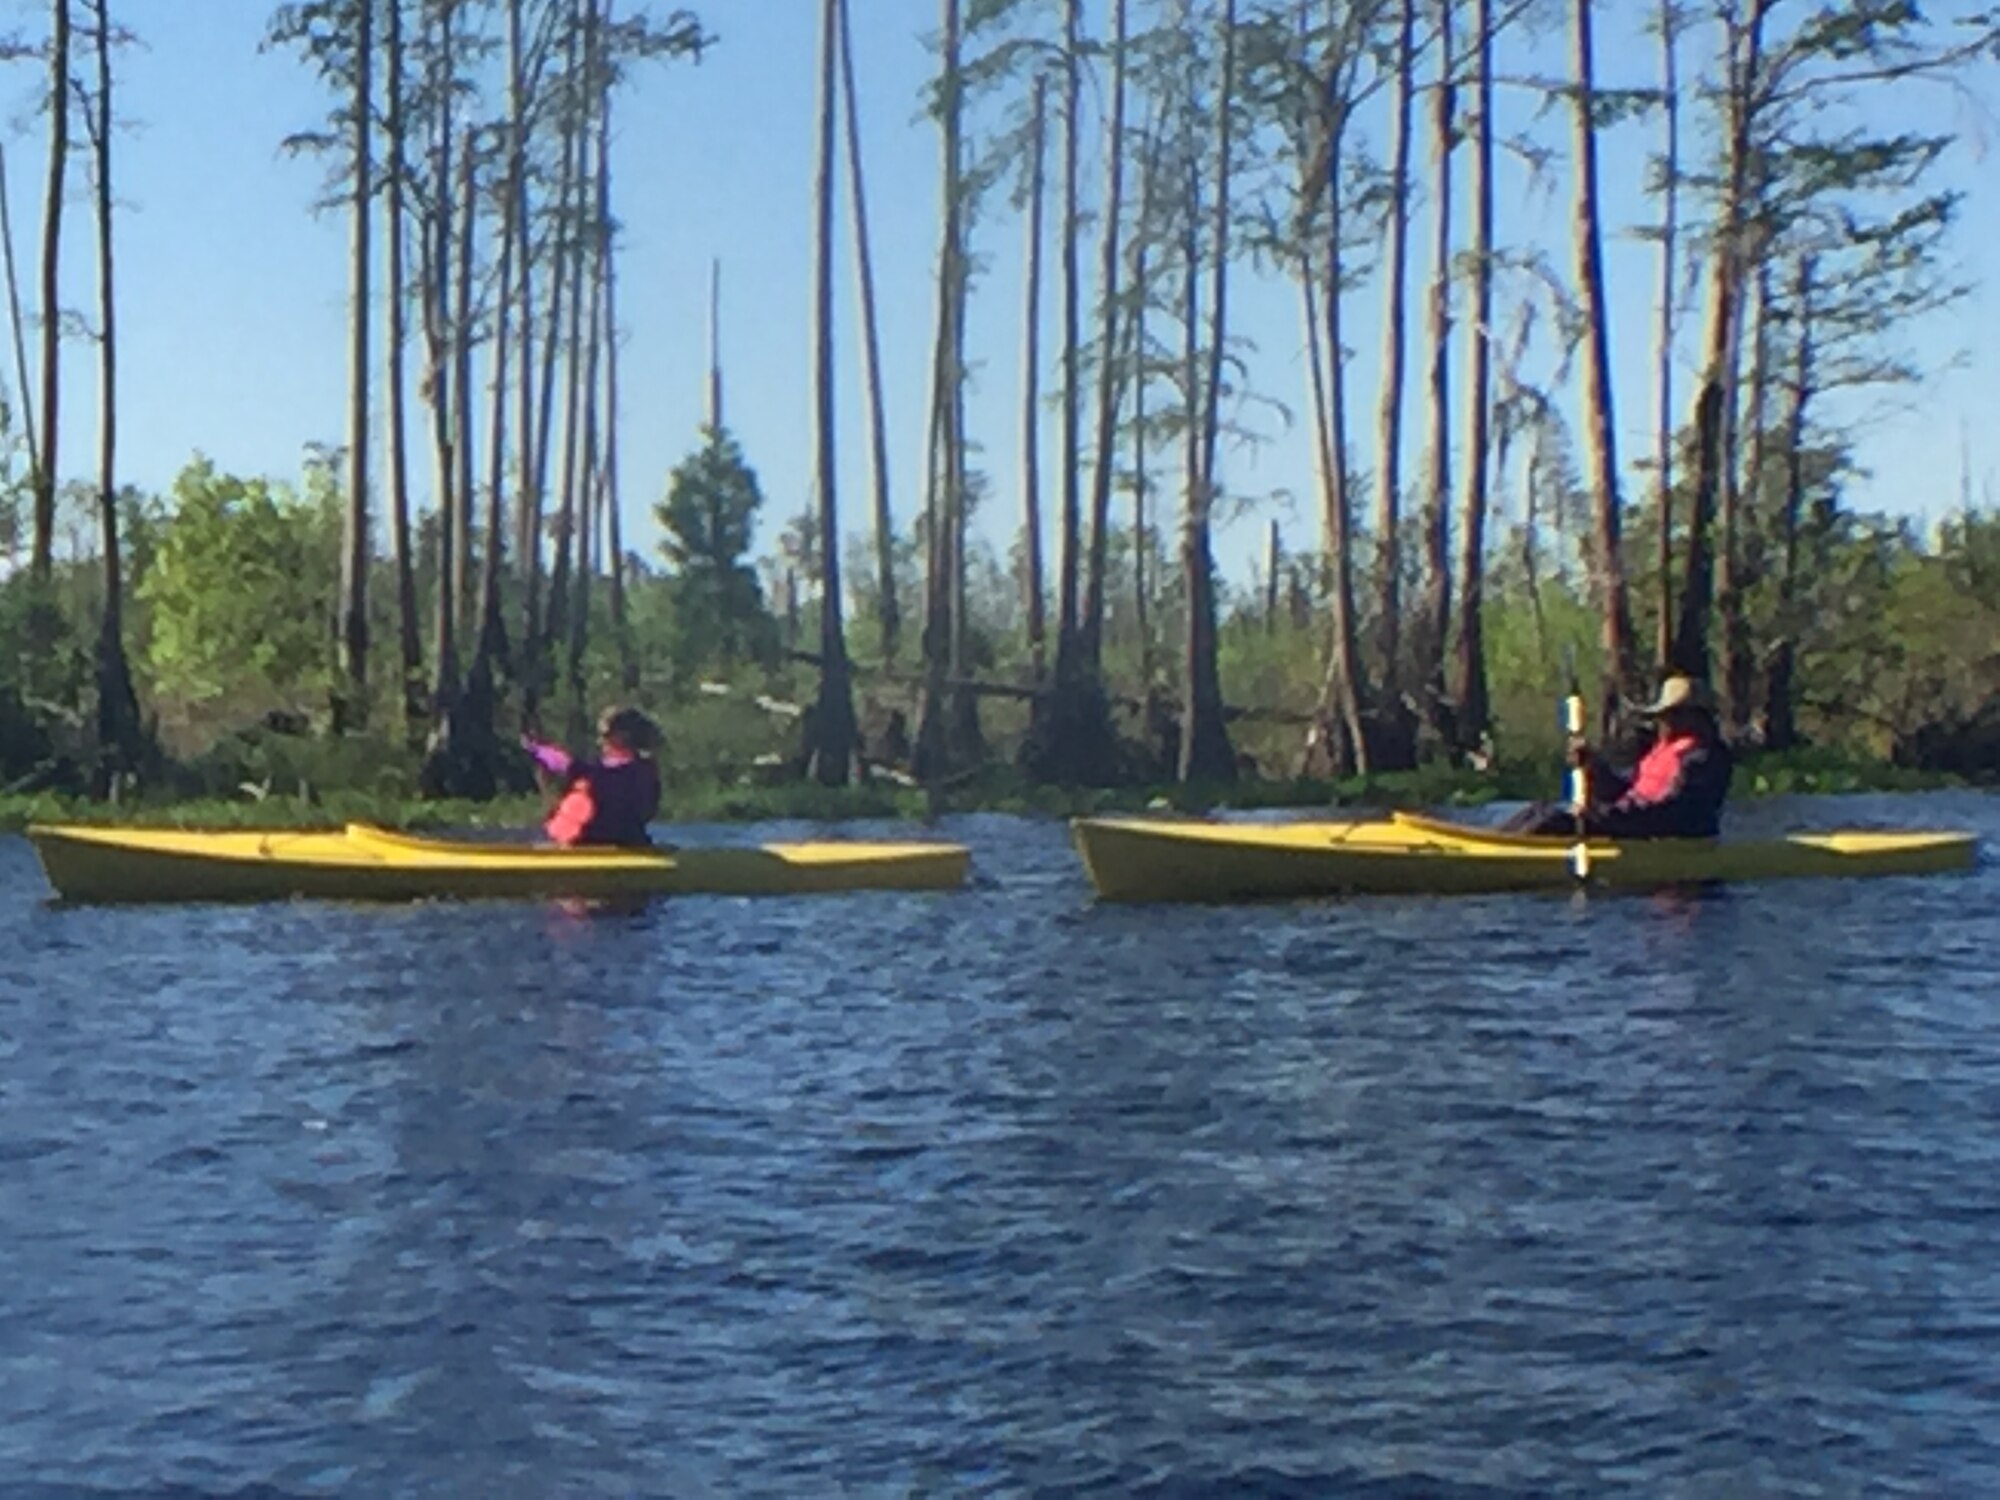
<point x="553" y="759"/>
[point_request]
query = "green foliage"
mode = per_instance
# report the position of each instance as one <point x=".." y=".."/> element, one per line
<point x="260" y="763"/>
<point x="708" y="516"/>
<point x="241" y="592"/>
<point x="1531" y="635"/>
<point x="24" y="739"/>
<point x="1896" y="637"/>
<point x="1824" y="772"/>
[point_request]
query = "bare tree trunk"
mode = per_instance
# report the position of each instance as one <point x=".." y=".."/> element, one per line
<point x="1337" y="745"/>
<point x="1274" y="560"/>
<point x="41" y="566"/>
<point x="1091" y="647"/>
<point x="1690" y="652"/>
<point x="1032" y="596"/>
<point x="350" y="710"/>
<point x="831" y="735"/>
<point x="541" y="626"/>
<point x="930" y="754"/>
<point x="462" y="388"/>
<point x="439" y="319"/>
<point x="1742" y="67"/>
<point x="1141" y="544"/>
<point x="1205" y="750"/>
<point x="628" y="665"/>
<point x="527" y="448"/>
<point x="1346" y="695"/>
<point x="586" y="481"/>
<point x="1780" y="722"/>
<point x="1436" y="612"/>
<point x="408" y="635"/>
<point x="1069" y="736"/>
<point x="489" y="652"/>
<point x="1072" y="444"/>
<point x="968" y="744"/>
<point x="933" y="750"/>
<point x="28" y="430"/>
<point x="1396" y="741"/>
<point x="1600" y="433"/>
<point x="1531" y="567"/>
<point x="1670" y="88"/>
<point x="1472" y="713"/>
<point x="119" y="739"/>
<point x="563" y="574"/>
<point x="871" y="354"/>
<point x="1739" y="502"/>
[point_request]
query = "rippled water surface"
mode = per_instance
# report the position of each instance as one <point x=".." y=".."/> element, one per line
<point x="999" y="1192"/>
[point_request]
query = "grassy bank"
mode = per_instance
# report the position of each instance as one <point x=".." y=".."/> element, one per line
<point x="1000" y="791"/>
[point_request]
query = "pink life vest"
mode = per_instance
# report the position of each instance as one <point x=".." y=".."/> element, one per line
<point x="1660" y="771"/>
<point x="608" y="801"/>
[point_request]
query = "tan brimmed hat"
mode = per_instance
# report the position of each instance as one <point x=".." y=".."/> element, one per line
<point x="1678" y="691"/>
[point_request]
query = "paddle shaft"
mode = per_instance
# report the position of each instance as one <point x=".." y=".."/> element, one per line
<point x="1579" y="781"/>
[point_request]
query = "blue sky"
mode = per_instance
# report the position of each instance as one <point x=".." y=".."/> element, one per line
<point x="233" y="292"/>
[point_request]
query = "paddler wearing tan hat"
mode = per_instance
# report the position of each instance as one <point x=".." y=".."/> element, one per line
<point x="1676" y="790"/>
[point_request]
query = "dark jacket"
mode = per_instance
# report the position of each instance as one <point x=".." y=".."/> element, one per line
<point x="607" y="803"/>
<point x="1676" y="791"/>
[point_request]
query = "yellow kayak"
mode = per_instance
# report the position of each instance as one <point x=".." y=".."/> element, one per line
<point x="1135" y="859"/>
<point x="362" y="863"/>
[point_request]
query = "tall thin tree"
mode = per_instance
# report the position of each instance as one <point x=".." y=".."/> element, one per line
<point x="1670" y="196"/>
<point x="1033" y="597"/>
<point x="830" y="746"/>
<point x="539" y="622"/>
<point x="1072" y="336"/>
<point x="1470" y="710"/>
<point x="1780" y="723"/>
<point x="118" y="732"/>
<point x="490" y="639"/>
<point x="889" y="615"/>
<point x="1436" y="611"/>
<point x="1339" y="739"/>
<point x="1743" y="67"/>
<point x="395" y="124"/>
<point x="943" y="496"/>
<point x="1108" y="294"/>
<point x="1205" y="750"/>
<point x="1393" y="730"/>
<point x="528" y="505"/>
<point x="1140" y="371"/>
<point x="351" y="702"/>
<point x="19" y="325"/>
<point x="628" y="663"/>
<point x="1737" y="573"/>
<point x="41" y="564"/>
<point x="465" y="489"/>
<point x="1600" y="432"/>
<point x="439" y="316"/>
<point x="590" y="295"/>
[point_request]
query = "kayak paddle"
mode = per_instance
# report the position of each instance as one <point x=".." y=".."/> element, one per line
<point x="1579" y="771"/>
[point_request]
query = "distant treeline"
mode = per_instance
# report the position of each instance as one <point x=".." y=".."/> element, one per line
<point x="457" y="568"/>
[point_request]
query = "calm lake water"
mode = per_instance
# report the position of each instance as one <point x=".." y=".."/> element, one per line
<point x="997" y="1192"/>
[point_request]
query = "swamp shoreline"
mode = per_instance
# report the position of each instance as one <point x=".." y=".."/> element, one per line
<point x="712" y="801"/>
